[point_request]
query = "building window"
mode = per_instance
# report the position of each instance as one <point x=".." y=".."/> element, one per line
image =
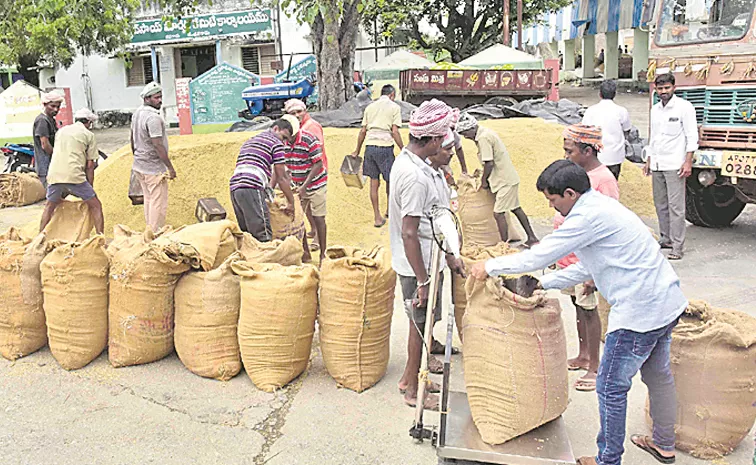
<point x="196" y="61"/>
<point x="140" y="72"/>
<point x="251" y="59"/>
<point x="258" y="59"/>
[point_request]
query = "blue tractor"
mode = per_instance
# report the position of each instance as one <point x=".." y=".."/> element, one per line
<point x="268" y="100"/>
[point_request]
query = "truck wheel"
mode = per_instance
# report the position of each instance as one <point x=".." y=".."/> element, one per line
<point x="711" y="207"/>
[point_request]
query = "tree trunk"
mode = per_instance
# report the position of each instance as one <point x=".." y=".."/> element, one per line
<point x="350" y="27"/>
<point x="331" y="84"/>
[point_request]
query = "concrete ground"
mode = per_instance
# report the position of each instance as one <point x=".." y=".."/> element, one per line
<point x="161" y="413"/>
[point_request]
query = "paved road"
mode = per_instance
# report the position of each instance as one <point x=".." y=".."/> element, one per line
<point x="161" y="413"/>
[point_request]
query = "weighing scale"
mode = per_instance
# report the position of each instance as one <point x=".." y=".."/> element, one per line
<point x="457" y="440"/>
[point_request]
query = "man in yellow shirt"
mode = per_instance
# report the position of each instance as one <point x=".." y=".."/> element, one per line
<point x="380" y="126"/>
<point x="499" y="175"/>
<point x="72" y="168"/>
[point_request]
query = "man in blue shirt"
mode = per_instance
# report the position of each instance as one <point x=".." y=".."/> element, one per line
<point x="619" y="253"/>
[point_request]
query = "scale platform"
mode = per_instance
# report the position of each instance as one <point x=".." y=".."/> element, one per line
<point x="547" y="445"/>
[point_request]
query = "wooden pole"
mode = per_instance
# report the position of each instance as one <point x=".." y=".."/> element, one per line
<point x="519" y="24"/>
<point x="505" y="24"/>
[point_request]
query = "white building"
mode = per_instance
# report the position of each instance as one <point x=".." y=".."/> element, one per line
<point x="230" y="31"/>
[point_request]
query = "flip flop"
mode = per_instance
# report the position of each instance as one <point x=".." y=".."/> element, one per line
<point x="434" y="388"/>
<point x="586" y="461"/>
<point x="585" y="385"/>
<point x="311" y="235"/>
<point x="435" y="366"/>
<point x="674" y="256"/>
<point x="381" y="224"/>
<point x="430" y="403"/>
<point x="439" y="349"/>
<point x="641" y="442"/>
<point x="573" y="367"/>
<point x="665" y="245"/>
<point x="314" y="247"/>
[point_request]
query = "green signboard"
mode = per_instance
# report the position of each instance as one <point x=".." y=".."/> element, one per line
<point x="212" y="25"/>
<point x="216" y="95"/>
<point x="304" y="68"/>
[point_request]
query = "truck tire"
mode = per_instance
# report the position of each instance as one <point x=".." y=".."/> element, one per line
<point x="503" y="101"/>
<point x="714" y="206"/>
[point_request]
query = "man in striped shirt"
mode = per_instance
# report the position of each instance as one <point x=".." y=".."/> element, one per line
<point x="260" y="159"/>
<point x="305" y="160"/>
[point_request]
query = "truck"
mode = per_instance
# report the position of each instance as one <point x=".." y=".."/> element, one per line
<point x="710" y="47"/>
<point x="461" y="88"/>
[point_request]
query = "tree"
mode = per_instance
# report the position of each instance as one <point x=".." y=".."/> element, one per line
<point x="51" y="32"/>
<point x="465" y="26"/>
<point x="334" y="26"/>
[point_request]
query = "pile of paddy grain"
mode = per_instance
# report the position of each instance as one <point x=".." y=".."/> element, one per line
<point x="204" y="163"/>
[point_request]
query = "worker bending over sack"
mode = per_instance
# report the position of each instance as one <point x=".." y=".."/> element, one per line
<point x="618" y="252"/>
<point x="72" y="168"/>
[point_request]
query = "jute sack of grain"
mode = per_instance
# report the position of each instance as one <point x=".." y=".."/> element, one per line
<point x="603" y="311"/>
<point x="140" y="307"/>
<point x="515" y="360"/>
<point x="470" y="255"/>
<point x="713" y="358"/>
<point x="356" y="306"/>
<point x="476" y="214"/>
<point x="19" y="189"/>
<point x="207" y="313"/>
<point x="204" y="245"/>
<point x="22" y="318"/>
<point x="123" y="236"/>
<point x="282" y="224"/>
<point x="71" y="222"/>
<point x="75" y="286"/>
<point x="285" y="252"/>
<point x="276" y="321"/>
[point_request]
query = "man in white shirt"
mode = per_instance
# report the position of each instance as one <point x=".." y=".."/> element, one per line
<point x="416" y="187"/>
<point x="619" y="253"/>
<point x="674" y="138"/>
<point x="614" y="122"/>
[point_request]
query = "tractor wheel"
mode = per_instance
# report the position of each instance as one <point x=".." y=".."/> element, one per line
<point x="714" y="206"/>
<point x="503" y="101"/>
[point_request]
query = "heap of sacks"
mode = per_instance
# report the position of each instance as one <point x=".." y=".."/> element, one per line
<point x="216" y="295"/>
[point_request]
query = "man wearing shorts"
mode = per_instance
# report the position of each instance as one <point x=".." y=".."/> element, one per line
<point x="304" y="159"/>
<point x="380" y="131"/>
<point x="499" y="175"/>
<point x="582" y="145"/>
<point x="72" y="169"/>
<point x="415" y="188"/>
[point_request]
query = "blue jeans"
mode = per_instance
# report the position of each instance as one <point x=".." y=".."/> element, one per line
<point x="626" y="352"/>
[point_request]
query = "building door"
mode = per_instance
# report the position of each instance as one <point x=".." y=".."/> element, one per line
<point x="196" y="60"/>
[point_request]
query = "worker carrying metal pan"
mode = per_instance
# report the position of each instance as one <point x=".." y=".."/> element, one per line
<point x="618" y="252"/>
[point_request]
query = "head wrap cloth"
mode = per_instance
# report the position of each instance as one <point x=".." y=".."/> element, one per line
<point x="432" y="118"/>
<point x="466" y="122"/>
<point x="294" y="105"/>
<point x="52" y="97"/>
<point x="151" y="89"/>
<point x="582" y="134"/>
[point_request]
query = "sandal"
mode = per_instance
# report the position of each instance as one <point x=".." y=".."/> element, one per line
<point x="585" y="385"/>
<point x="381" y="224"/>
<point x="642" y="442"/>
<point x="674" y="256"/>
<point x="311" y="235"/>
<point x="435" y="366"/>
<point x="314" y="247"/>
<point x="665" y="245"/>
<point x="572" y="366"/>
<point x="430" y="403"/>
<point x="586" y="461"/>
<point x="439" y="349"/>
<point x="433" y="388"/>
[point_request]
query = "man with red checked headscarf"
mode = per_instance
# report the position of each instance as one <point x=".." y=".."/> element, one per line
<point x="416" y="187"/>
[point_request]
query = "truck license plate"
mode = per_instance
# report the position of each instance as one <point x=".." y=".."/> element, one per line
<point x="739" y="164"/>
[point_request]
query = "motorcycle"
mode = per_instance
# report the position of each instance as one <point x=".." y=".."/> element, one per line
<point x="18" y="158"/>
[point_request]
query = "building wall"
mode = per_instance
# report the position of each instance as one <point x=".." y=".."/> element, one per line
<point x="101" y="83"/>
